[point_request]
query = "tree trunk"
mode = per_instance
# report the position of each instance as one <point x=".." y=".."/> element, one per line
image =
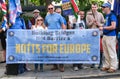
<point x="25" y="2"/>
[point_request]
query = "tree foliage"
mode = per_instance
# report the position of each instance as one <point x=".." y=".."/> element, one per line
<point x="86" y="4"/>
<point x="39" y="2"/>
<point x="83" y="4"/>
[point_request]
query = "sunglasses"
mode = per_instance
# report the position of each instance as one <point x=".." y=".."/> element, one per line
<point x="40" y="20"/>
<point x="50" y="8"/>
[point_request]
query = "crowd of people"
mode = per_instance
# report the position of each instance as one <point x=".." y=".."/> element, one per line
<point x="93" y="20"/>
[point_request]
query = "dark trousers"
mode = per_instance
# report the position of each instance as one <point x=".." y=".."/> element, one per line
<point x="41" y="66"/>
<point x="101" y="58"/>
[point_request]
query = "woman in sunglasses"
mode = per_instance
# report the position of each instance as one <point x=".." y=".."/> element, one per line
<point x="39" y="25"/>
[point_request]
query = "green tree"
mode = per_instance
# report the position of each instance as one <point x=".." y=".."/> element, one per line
<point x="86" y="4"/>
<point x="83" y="4"/>
<point x="38" y="2"/>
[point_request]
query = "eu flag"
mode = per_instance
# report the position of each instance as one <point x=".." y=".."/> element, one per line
<point x="117" y="7"/>
<point x="14" y="9"/>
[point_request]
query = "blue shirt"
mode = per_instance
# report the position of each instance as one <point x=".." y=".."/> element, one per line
<point x="65" y="21"/>
<point x="54" y="21"/>
<point x="19" y="24"/>
<point x="4" y="25"/>
<point x="110" y="18"/>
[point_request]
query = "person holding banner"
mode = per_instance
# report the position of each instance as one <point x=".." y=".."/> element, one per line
<point x="39" y="25"/>
<point x="76" y="67"/>
<point x="3" y="27"/>
<point x="19" y="24"/>
<point x="51" y="17"/>
<point x="82" y="18"/>
<point x="3" y="42"/>
<point x="54" y="20"/>
<point x="16" y="68"/>
<point x="80" y="23"/>
<point x="110" y="63"/>
<point x="94" y="20"/>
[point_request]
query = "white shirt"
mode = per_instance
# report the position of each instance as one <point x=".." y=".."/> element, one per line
<point x="38" y="27"/>
<point x="80" y="25"/>
<point x="82" y="21"/>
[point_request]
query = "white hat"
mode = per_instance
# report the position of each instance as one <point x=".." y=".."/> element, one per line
<point x="36" y="11"/>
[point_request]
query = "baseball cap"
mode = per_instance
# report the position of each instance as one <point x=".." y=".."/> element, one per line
<point x="36" y="11"/>
<point x="106" y="5"/>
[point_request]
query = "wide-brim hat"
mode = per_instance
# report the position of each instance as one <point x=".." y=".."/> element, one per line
<point x="36" y="11"/>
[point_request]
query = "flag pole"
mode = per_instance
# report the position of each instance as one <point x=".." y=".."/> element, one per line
<point x="7" y="15"/>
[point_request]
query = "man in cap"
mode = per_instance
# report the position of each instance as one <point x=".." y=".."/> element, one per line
<point x="110" y="63"/>
<point x="31" y="22"/>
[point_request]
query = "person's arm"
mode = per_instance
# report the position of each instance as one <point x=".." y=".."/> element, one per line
<point x="63" y="26"/>
<point x="1" y="30"/>
<point x="102" y="21"/>
<point x="112" y="27"/>
<point x="32" y="27"/>
<point x="23" y="22"/>
<point x="69" y="25"/>
<point x="45" y="22"/>
<point x="89" y="22"/>
<point x="3" y="26"/>
<point x="62" y="22"/>
<point x="29" y="25"/>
